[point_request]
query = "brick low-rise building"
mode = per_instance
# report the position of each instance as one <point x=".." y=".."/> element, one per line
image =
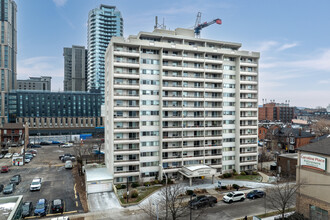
<point x="313" y="174"/>
<point x="12" y="134"/>
<point x="286" y="164"/>
<point x="276" y="112"/>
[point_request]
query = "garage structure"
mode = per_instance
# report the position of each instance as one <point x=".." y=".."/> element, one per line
<point x="98" y="180"/>
<point x="198" y="171"/>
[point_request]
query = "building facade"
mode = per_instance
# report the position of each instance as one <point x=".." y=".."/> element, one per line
<point x="43" y="83"/>
<point x="51" y="113"/>
<point x="103" y="23"/>
<point x="12" y="134"/>
<point x="313" y="176"/>
<point x="75" y="68"/>
<point x="8" y="45"/>
<point x="173" y="100"/>
<point x="276" y="112"/>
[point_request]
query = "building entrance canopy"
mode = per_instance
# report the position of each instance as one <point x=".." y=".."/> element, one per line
<point x="198" y="171"/>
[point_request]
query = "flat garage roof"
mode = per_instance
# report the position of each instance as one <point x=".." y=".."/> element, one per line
<point x="196" y="167"/>
<point x="97" y="174"/>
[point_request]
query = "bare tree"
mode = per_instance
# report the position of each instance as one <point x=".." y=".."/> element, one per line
<point x="177" y="204"/>
<point x="321" y="127"/>
<point x="282" y="195"/>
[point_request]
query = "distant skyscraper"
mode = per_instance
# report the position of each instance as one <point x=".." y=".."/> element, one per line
<point x="75" y="68"/>
<point x="8" y="45"/>
<point x="103" y="23"/>
<point x="43" y="83"/>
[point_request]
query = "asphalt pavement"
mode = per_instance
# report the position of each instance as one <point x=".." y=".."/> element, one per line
<point x="57" y="182"/>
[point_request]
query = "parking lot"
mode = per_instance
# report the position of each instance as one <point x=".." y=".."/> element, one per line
<point x="57" y="182"/>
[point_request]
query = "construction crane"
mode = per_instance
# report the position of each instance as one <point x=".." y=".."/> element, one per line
<point x="199" y="26"/>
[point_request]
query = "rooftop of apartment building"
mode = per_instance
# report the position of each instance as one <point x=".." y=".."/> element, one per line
<point x="320" y="147"/>
<point x="161" y="35"/>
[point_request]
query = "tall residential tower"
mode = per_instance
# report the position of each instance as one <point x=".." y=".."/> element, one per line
<point x="75" y="68"/>
<point x="8" y="52"/>
<point x="103" y="23"/>
<point x="174" y="101"/>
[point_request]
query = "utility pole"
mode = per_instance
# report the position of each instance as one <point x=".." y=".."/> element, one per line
<point x="26" y="139"/>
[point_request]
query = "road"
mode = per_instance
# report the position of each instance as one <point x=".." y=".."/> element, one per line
<point x="221" y="211"/>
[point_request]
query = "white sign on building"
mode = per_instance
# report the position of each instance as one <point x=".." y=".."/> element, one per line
<point x="313" y="162"/>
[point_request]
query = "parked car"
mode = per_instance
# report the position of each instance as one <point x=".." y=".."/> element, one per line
<point x="4" y="169"/>
<point x="57" y="206"/>
<point x="9" y="188"/>
<point x="1" y="187"/>
<point x="203" y="201"/>
<point x="66" y="145"/>
<point x="16" y="155"/>
<point x="65" y="157"/>
<point x="32" y="151"/>
<point x="35" y="146"/>
<point x="255" y="194"/>
<point x="27" y="160"/>
<point x="35" y="184"/>
<point x="1" y="156"/>
<point x="68" y="164"/>
<point x="8" y="155"/>
<point x="29" y="155"/>
<point x="45" y="143"/>
<point x="234" y="197"/>
<point x="27" y="209"/>
<point x="41" y="208"/>
<point x="16" y="179"/>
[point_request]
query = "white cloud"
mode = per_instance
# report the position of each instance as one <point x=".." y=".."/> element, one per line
<point x="324" y="82"/>
<point x="266" y="45"/>
<point x="60" y="3"/>
<point x="42" y="66"/>
<point x="287" y="46"/>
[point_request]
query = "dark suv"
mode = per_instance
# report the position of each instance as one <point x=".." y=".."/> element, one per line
<point x="202" y="201"/>
<point x="57" y="206"/>
<point x="16" y="179"/>
<point x="27" y="209"/>
<point x="255" y="194"/>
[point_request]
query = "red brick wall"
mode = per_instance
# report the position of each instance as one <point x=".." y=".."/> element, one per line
<point x="262" y="131"/>
<point x="303" y="141"/>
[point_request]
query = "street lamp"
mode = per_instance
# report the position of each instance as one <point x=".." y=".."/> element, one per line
<point x="192" y="195"/>
<point x="156" y="204"/>
<point x="166" y="199"/>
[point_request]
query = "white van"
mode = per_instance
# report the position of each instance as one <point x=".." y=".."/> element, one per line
<point x="68" y="164"/>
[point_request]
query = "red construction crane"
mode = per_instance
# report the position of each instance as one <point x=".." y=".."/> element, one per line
<point x="199" y="26"/>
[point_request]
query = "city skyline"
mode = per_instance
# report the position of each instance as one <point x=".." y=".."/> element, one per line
<point x="292" y="40"/>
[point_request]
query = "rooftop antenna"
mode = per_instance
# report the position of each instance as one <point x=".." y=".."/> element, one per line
<point x="159" y="26"/>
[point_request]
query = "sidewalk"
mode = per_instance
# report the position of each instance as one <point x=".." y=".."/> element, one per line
<point x="265" y="178"/>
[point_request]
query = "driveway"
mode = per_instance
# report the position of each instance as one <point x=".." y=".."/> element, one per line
<point x="103" y="201"/>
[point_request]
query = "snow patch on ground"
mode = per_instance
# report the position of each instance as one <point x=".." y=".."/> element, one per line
<point x="103" y="201"/>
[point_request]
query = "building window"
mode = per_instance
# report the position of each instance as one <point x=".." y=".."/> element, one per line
<point x="317" y="213"/>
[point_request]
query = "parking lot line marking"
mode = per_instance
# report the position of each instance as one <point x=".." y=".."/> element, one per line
<point x="76" y="203"/>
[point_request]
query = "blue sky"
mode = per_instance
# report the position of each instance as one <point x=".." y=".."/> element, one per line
<point x="292" y="36"/>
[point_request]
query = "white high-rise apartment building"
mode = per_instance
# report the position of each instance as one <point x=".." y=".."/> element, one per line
<point x="173" y="100"/>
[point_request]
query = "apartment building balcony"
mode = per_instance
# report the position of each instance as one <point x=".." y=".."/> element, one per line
<point x="249" y="63"/>
<point x="247" y="162"/>
<point x="172" y="159"/>
<point x="172" y="57"/>
<point x="213" y="70"/>
<point x="126" y="64"/>
<point x="249" y="82"/>
<point x="118" y="163"/>
<point x="126" y="86"/>
<point x="193" y="59"/>
<point x="126" y="108"/>
<point x="248" y="153"/>
<point x="172" y="67"/>
<point x="126" y="141"/>
<point x="126" y="75"/>
<point x="213" y="60"/>
<point x="126" y="53"/>
<point x="213" y="156"/>
<point x="191" y="88"/>
<point x="172" y="169"/>
<point x="126" y="152"/>
<point x="193" y="157"/>
<point x="126" y="119"/>
<point x="126" y="173"/>
<point x="193" y="128"/>
<point x="248" y="135"/>
<point x="244" y="73"/>
<point x="126" y="129"/>
<point x="190" y="68"/>
<point x="171" y="77"/>
<point x="249" y="99"/>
